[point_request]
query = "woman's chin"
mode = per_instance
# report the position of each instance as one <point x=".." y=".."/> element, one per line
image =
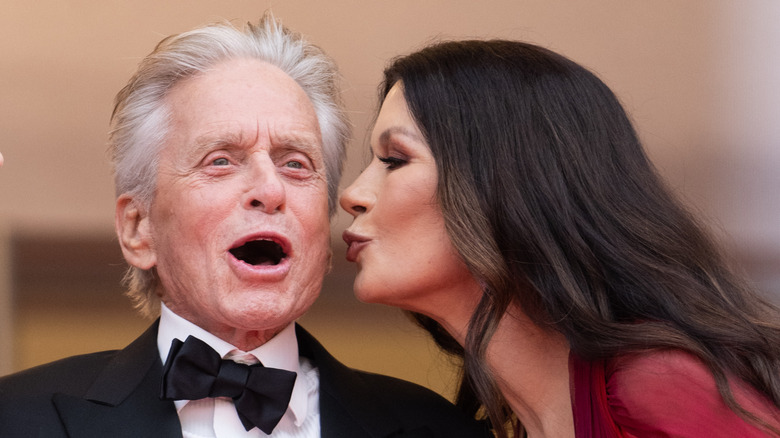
<point x="363" y="295"/>
<point x="370" y="294"/>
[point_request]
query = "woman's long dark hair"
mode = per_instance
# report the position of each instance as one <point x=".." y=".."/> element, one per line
<point x="551" y="201"/>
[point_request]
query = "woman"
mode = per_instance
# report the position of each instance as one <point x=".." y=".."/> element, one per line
<point x="511" y="208"/>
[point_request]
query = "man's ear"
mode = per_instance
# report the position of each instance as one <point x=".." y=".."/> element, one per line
<point x="133" y="229"/>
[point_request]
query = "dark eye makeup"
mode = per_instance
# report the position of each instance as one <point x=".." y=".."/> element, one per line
<point x="391" y="162"/>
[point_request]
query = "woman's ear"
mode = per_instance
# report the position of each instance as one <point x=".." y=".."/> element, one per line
<point x="133" y="230"/>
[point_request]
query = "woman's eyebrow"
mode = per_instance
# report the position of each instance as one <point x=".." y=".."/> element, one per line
<point x="399" y="130"/>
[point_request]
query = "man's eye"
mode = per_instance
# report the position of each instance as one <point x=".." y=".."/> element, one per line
<point x="392" y="162"/>
<point x="294" y="165"/>
<point x="220" y="162"/>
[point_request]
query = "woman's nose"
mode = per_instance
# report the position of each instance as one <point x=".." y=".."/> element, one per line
<point x="356" y="198"/>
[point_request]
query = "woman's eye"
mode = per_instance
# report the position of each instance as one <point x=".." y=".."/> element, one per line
<point x="392" y="162"/>
<point x="294" y="165"/>
<point x="220" y="162"/>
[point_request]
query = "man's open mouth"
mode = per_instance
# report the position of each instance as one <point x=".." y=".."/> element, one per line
<point x="259" y="253"/>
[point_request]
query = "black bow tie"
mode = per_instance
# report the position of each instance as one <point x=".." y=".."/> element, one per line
<point x="194" y="371"/>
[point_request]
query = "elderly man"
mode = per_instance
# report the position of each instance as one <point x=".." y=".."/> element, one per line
<point x="227" y="147"/>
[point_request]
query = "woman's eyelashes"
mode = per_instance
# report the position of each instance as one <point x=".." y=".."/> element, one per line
<point x="392" y="162"/>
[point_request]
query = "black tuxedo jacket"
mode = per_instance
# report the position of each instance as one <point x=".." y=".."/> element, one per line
<point x="116" y="394"/>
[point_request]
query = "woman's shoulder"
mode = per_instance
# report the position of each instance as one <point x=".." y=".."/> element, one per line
<point x="672" y="391"/>
<point x="647" y="370"/>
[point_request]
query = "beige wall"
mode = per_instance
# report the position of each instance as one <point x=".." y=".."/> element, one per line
<point x="701" y="79"/>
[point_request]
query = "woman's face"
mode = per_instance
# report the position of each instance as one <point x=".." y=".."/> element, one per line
<point x="397" y="238"/>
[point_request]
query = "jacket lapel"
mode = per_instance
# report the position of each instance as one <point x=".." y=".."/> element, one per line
<point x="124" y="399"/>
<point x="348" y="406"/>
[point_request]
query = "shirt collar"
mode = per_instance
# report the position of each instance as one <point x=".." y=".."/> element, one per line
<point x="281" y="352"/>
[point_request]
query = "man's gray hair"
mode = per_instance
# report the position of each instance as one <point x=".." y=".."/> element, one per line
<point x="140" y="121"/>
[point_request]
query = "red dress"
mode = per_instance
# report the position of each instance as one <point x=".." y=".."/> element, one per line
<point x="667" y="393"/>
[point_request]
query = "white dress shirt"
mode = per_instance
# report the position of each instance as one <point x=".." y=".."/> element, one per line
<point x="217" y="417"/>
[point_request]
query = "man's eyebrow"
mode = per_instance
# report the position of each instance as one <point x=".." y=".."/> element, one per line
<point x="303" y="141"/>
<point x="210" y="141"/>
<point x="384" y="138"/>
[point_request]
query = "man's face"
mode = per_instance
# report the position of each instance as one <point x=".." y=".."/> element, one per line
<point x="239" y="223"/>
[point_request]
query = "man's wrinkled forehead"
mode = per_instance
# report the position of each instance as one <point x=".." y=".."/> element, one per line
<point x="195" y="142"/>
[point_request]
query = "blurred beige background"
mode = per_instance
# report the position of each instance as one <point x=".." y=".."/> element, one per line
<point x="701" y="79"/>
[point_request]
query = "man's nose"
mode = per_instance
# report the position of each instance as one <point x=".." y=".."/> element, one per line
<point x="265" y="188"/>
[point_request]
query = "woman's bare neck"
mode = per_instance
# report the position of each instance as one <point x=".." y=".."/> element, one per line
<point x="531" y="368"/>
